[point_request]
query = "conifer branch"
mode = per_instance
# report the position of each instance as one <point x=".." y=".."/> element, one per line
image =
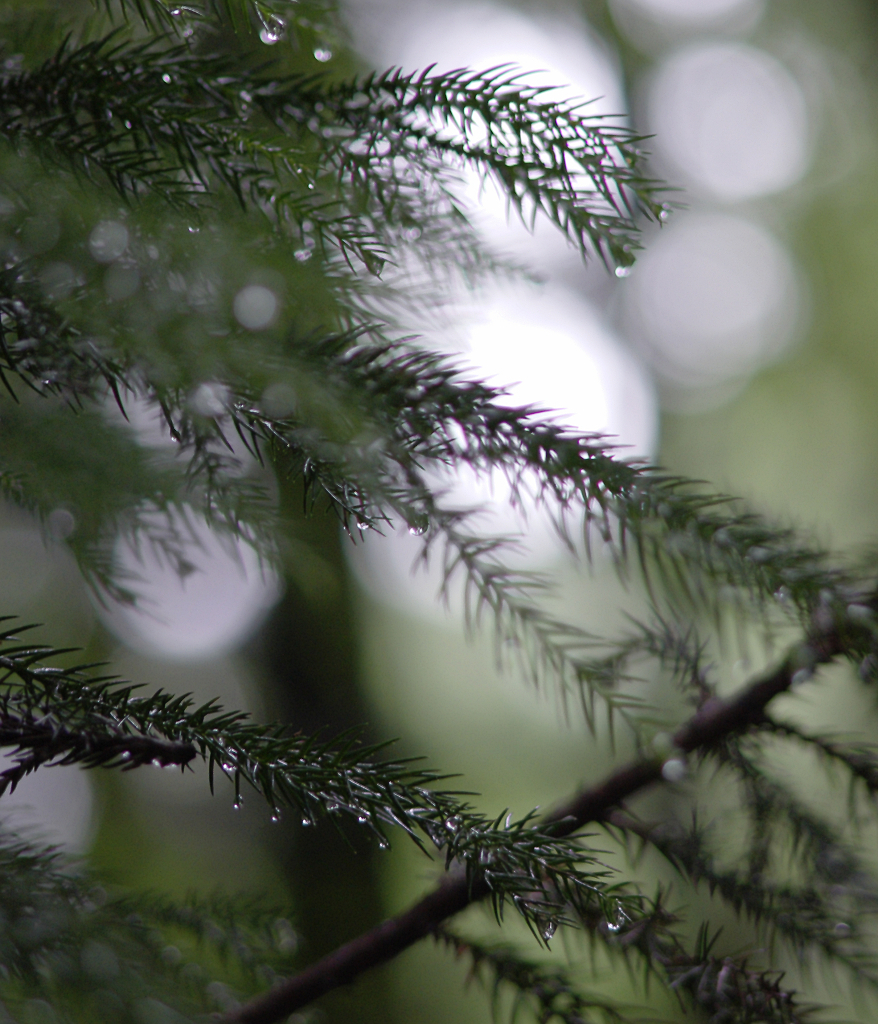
<point x="65" y="939"/>
<point x="713" y="724"/>
<point x="160" y="120"/>
<point x="824" y="857"/>
<point x="726" y="988"/>
<point x="47" y="741"/>
<point x="424" y="409"/>
<point x="112" y="486"/>
<point x="860" y="760"/>
<point x="678" y="534"/>
<point x="548" y="992"/>
<point x="49" y="354"/>
<point x="547" y="156"/>
<point x="67" y="716"/>
<point x="806" y="917"/>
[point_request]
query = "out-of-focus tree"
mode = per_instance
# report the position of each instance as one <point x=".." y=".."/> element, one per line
<point x="236" y="246"/>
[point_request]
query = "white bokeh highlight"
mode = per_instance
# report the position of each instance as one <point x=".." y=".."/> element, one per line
<point x="694" y="15"/>
<point x="713" y="298"/>
<point x="694" y="10"/>
<point x="52" y="805"/>
<point x="206" y="613"/>
<point x="548" y="348"/>
<point x="255" y="307"/>
<point x="730" y="119"/>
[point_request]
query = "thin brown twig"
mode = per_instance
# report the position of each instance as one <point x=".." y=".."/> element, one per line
<point x="714" y="720"/>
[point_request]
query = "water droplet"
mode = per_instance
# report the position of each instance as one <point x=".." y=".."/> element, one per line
<point x="228" y="766"/>
<point x="452" y="824"/>
<point x="166" y="78"/>
<point x="674" y="770"/>
<point x="237" y="804"/>
<point x="842" y="930"/>
<point x="362" y="819"/>
<point x="273" y="30"/>
<point x="322" y="55"/>
<point x="193" y="230"/>
<point x="508" y="819"/>
<point x="611" y="927"/>
<point x="303" y="255"/>
<point x="383" y="844"/>
<point x="417" y="531"/>
<point x="128" y="125"/>
<point x="549" y="930"/>
<point x="623" y="271"/>
<point x="306" y="822"/>
<point x="275" y="816"/>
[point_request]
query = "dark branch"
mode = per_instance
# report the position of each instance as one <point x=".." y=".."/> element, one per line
<point x="715" y="720"/>
<point x="43" y="741"/>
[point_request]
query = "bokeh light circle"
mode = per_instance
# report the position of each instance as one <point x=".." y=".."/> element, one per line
<point x="697" y="13"/>
<point x="52" y="805"/>
<point x="206" y="613"/>
<point x="108" y="240"/>
<point x="255" y="307"/>
<point x="730" y="119"/>
<point x="713" y="298"/>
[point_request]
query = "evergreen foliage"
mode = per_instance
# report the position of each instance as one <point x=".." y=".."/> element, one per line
<point x="153" y="166"/>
